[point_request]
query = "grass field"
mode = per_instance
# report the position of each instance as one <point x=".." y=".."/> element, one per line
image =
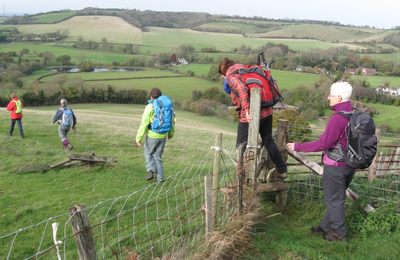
<point x="285" y="79"/>
<point x="116" y="30"/>
<point x="198" y="69"/>
<point x="376" y="81"/>
<point x="224" y="42"/>
<point x="238" y="26"/>
<point x="180" y="88"/>
<point x="93" y="28"/>
<point x="320" y="32"/>
<point x="288" y="236"/>
<point x="387" y="115"/>
<point x="108" y="130"/>
<point x="52" y="17"/>
<point x="116" y="74"/>
<point x="394" y="57"/>
<point x="77" y="55"/>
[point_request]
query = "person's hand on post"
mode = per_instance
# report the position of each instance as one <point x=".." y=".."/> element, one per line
<point x="248" y="117"/>
<point x="290" y="146"/>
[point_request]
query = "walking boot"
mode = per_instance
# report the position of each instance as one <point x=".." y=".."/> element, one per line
<point x="150" y="175"/>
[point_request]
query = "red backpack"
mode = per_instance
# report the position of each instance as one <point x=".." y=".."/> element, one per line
<point x="255" y="76"/>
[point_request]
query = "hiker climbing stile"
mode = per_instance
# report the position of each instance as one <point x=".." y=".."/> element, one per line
<point x="66" y="119"/>
<point x="240" y="97"/>
<point x="337" y="175"/>
<point x="156" y="127"/>
<point x="15" y="108"/>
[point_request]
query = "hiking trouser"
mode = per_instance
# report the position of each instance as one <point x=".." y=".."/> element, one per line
<point x="20" y="127"/>
<point x="153" y="151"/>
<point x="63" y="132"/>
<point x="335" y="181"/>
<point x="266" y="136"/>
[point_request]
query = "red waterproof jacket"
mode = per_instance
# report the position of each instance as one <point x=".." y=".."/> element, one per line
<point x="12" y="107"/>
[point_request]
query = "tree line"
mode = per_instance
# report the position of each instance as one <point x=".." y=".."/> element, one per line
<point x="13" y="35"/>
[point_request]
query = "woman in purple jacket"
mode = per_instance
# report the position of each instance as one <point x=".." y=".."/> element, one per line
<point x="336" y="175"/>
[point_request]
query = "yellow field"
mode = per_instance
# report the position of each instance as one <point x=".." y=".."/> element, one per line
<point x="114" y="29"/>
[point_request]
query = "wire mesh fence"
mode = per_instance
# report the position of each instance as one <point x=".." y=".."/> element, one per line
<point x="385" y="187"/>
<point x="155" y="221"/>
<point x="164" y="218"/>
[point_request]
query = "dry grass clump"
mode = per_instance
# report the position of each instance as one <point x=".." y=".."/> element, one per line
<point x="234" y="238"/>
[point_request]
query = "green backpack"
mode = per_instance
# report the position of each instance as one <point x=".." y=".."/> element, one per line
<point x="18" y="104"/>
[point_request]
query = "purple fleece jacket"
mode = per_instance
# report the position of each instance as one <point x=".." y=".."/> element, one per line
<point x="335" y="132"/>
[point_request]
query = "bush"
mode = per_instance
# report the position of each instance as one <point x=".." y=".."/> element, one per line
<point x="385" y="219"/>
<point x="299" y="129"/>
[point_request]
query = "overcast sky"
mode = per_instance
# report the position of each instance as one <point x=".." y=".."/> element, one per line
<point x="377" y="13"/>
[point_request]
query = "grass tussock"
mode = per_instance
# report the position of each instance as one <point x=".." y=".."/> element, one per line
<point x="232" y="239"/>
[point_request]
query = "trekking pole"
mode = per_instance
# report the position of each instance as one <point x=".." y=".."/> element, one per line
<point x="261" y="60"/>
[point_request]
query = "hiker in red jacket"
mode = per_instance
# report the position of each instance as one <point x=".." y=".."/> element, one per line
<point x="240" y="97"/>
<point x="15" y="108"/>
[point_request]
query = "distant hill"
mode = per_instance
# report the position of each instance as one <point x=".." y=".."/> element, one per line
<point x="255" y="27"/>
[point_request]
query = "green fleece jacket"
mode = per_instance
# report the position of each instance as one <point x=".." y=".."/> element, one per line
<point x="147" y="119"/>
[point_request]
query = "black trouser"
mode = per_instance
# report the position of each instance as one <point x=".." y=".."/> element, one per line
<point x="335" y="181"/>
<point x="20" y="128"/>
<point x="268" y="141"/>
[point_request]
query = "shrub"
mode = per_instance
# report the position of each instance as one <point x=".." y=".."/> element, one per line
<point x="385" y="219"/>
<point x="299" y="129"/>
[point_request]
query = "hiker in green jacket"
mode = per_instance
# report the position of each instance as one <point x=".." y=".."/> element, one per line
<point x="154" y="139"/>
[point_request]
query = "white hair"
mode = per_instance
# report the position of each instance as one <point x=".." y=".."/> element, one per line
<point x="343" y="89"/>
<point x="63" y="102"/>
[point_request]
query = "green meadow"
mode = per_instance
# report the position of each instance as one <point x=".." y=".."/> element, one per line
<point x="387" y="115"/>
<point x="288" y="236"/>
<point x="285" y="79"/>
<point x="222" y="41"/>
<point x="94" y="28"/>
<point x="107" y="75"/>
<point x="53" y="17"/>
<point x="177" y="86"/>
<point x="115" y="30"/>
<point x="77" y="55"/>
<point x="108" y="130"/>
<point x="376" y="81"/>
<point x="328" y="33"/>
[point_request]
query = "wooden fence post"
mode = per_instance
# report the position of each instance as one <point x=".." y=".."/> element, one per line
<point x="281" y="140"/>
<point x="83" y="233"/>
<point x="208" y="204"/>
<point x="215" y="179"/>
<point x="282" y="137"/>
<point x="241" y="175"/>
<point x="252" y="139"/>
<point x="374" y="166"/>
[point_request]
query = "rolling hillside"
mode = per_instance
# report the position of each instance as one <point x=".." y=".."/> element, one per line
<point x="117" y="30"/>
<point x="92" y="28"/>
